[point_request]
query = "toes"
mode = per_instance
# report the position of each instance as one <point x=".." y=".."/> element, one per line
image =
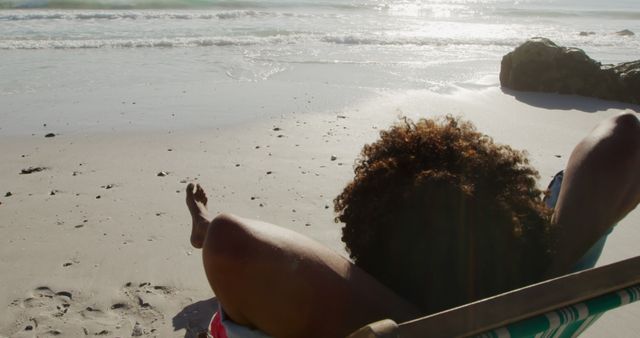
<point x="195" y="193"/>
<point x="200" y="195"/>
<point x="190" y="188"/>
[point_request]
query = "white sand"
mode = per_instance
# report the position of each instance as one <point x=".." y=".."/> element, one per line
<point x="137" y="231"/>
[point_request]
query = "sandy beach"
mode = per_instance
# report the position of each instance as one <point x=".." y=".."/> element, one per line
<point x="97" y="242"/>
<point x="109" y="108"/>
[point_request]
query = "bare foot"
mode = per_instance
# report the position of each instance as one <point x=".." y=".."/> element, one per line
<point x="197" y="203"/>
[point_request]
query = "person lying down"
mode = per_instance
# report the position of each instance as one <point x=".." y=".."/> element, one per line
<point x="437" y="215"/>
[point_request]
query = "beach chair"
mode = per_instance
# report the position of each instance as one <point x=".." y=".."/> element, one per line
<point x="559" y="307"/>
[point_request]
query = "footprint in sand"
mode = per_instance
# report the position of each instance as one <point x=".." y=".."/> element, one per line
<point x="53" y="303"/>
<point x="40" y="313"/>
<point x="137" y="306"/>
<point x="46" y="312"/>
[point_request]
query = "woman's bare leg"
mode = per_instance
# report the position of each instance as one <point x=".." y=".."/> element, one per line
<point x="601" y="186"/>
<point x="283" y="283"/>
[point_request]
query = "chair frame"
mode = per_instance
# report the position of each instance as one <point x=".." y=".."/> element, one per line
<point x="513" y="306"/>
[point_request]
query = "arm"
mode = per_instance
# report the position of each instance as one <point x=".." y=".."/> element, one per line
<point x="288" y="285"/>
<point x="601" y="185"/>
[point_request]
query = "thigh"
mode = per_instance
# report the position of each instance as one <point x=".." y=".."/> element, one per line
<point x="288" y="285"/>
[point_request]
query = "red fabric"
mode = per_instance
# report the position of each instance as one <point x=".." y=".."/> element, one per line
<point x="215" y="328"/>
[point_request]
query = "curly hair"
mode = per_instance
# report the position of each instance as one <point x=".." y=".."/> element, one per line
<point x="443" y="216"/>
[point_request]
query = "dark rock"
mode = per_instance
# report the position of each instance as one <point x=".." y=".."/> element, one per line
<point x="540" y="65"/>
<point x="8" y="194"/>
<point x="162" y="174"/>
<point x="119" y="306"/>
<point x="31" y="170"/>
<point x="50" y="135"/>
<point x="625" y="32"/>
<point x="628" y="75"/>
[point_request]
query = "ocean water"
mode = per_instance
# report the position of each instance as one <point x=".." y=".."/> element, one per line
<point x="69" y="48"/>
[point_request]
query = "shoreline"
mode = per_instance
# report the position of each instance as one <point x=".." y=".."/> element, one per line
<point x="278" y="169"/>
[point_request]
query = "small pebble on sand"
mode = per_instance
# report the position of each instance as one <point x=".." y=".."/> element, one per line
<point x="137" y="330"/>
<point x="50" y="135"/>
<point x="31" y="170"/>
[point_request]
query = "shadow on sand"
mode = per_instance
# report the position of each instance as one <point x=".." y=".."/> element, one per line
<point x="194" y="318"/>
<point x="567" y="102"/>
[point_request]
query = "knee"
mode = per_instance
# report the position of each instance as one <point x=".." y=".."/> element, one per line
<point x="627" y="125"/>
<point x="625" y="133"/>
<point x="226" y="240"/>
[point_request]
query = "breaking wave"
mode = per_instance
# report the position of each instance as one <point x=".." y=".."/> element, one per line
<point x="142" y="43"/>
<point x="171" y="4"/>
<point x="133" y="15"/>
<point x="282" y="39"/>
